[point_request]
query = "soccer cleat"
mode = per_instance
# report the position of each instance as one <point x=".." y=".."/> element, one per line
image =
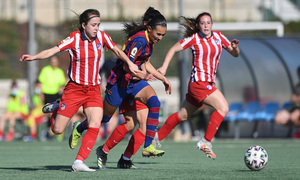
<point x="101" y="158"/>
<point x="150" y="151"/>
<point x="81" y="167"/>
<point x="73" y="139"/>
<point x="49" y="107"/>
<point x="206" y="147"/>
<point x="28" y="139"/>
<point x="126" y="164"/>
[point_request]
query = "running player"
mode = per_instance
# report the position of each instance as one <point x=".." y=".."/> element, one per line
<point x="134" y="112"/>
<point x="139" y="46"/>
<point x="85" y="49"/>
<point x="206" y="47"/>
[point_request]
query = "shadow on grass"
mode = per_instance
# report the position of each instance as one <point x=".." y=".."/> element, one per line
<point x="59" y="168"/>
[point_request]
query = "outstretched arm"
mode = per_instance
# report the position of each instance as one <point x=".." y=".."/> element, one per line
<point x="233" y="48"/>
<point x="174" y="49"/>
<point x="151" y="70"/>
<point x="42" y="55"/>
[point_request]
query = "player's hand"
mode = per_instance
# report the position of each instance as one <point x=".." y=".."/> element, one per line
<point x="150" y="77"/>
<point x="26" y="57"/>
<point x="133" y="68"/>
<point x="234" y="43"/>
<point x="168" y="86"/>
<point x="162" y="71"/>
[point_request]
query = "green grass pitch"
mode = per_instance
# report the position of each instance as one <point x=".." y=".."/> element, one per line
<point x="53" y="160"/>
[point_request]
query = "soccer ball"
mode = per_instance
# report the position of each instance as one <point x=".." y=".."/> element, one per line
<point x="256" y="158"/>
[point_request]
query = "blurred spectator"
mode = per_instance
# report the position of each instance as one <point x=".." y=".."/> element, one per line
<point x="36" y="116"/>
<point x="16" y="108"/>
<point x="291" y="115"/>
<point x="53" y="81"/>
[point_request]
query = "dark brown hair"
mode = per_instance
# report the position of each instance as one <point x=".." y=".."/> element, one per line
<point x="86" y="16"/>
<point x="190" y="24"/>
<point x="155" y="19"/>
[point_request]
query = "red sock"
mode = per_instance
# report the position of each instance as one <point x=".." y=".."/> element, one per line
<point x="168" y="126"/>
<point x="116" y="136"/>
<point x="135" y="142"/>
<point x="1" y="133"/>
<point x="88" y="143"/>
<point x="33" y="135"/>
<point x="54" y="114"/>
<point x="214" y="122"/>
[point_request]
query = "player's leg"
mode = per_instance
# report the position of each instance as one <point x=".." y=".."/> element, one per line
<point x="11" y="128"/>
<point x="116" y="136"/>
<point x="137" y="138"/>
<point x="110" y="104"/>
<point x="219" y="103"/>
<point x="94" y="116"/>
<point x="148" y="96"/>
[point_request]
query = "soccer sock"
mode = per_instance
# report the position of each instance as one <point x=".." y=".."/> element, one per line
<point x="135" y="142"/>
<point x="82" y="126"/>
<point x="116" y="136"/>
<point x="1" y="133"/>
<point x="33" y="135"/>
<point x="213" y="125"/>
<point x="168" y="126"/>
<point x="53" y="116"/>
<point x="153" y="105"/>
<point x="88" y="143"/>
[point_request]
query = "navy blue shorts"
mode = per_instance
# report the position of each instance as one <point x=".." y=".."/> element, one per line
<point x="115" y="94"/>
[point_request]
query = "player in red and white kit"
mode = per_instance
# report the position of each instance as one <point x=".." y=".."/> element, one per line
<point x="85" y="48"/>
<point x="206" y="46"/>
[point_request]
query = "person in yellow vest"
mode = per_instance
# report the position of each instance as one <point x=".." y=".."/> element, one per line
<point x="53" y="81"/>
<point x="17" y="108"/>
<point x="36" y="116"/>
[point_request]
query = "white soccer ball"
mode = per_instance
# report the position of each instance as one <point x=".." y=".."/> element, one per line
<point x="256" y="158"/>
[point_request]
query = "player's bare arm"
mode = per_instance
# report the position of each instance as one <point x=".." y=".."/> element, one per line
<point x="151" y="70"/>
<point x="174" y="49"/>
<point x="42" y="55"/>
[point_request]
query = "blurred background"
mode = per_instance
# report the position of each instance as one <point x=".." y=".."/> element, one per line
<point x="266" y="70"/>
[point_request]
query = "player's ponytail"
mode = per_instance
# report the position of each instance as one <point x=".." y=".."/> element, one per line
<point x="151" y="18"/>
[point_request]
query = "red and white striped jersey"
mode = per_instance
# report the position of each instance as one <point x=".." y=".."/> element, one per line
<point x="206" y="54"/>
<point x="85" y="56"/>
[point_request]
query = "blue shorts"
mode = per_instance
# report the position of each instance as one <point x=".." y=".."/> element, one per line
<point x="115" y="94"/>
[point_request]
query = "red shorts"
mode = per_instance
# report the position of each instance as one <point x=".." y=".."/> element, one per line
<point x="198" y="91"/>
<point x="76" y="95"/>
<point x="129" y="104"/>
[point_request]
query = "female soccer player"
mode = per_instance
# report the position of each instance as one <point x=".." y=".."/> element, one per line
<point x="84" y="47"/>
<point x="134" y="112"/>
<point x="206" y="47"/>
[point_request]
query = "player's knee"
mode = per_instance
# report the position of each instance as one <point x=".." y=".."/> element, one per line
<point x="223" y="110"/>
<point x="129" y="124"/>
<point x="57" y="130"/>
<point x="153" y="101"/>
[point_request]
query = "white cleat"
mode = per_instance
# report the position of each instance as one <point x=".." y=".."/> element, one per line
<point x="206" y="147"/>
<point x="81" y="167"/>
<point x="49" y="107"/>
